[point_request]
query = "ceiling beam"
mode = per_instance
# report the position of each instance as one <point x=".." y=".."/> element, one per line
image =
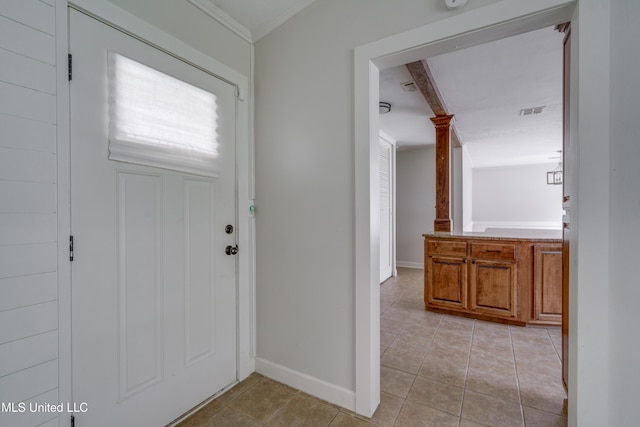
<point x="422" y="76"/>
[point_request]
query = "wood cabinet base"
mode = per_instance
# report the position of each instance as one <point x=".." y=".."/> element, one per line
<point x="516" y="281"/>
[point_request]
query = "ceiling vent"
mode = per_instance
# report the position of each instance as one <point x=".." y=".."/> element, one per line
<point x="532" y="111"/>
<point x="409" y="86"/>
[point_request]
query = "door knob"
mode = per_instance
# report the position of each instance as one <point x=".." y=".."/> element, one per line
<point x="231" y="250"/>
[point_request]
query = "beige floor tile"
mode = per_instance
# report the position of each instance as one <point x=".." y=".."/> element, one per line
<point x="495" y="382"/>
<point x="491" y="411"/>
<point x="345" y="420"/>
<point x="444" y="370"/>
<point x="414" y="341"/>
<point x="547" y="366"/>
<point x="403" y="360"/>
<point x="390" y="325"/>
<point x="411" y="301"/>
<point x="452" y="344"/>
<point x="537" y="418"/>
<point x="263" y="400"/>
<point x="437" y="395"/>
<point x="201" y="417"/>
<point x="487" y="358"/>
<point x="387" y="412"/>
<point x="386" y="338"/>
<point x="492" y="362"/>
<point x="468" y="423"/>
<point x="395" y="313"/>
<point x="541" y="392"/>
<point x="444" y="354"/>
<point x="240" y="388"/>
<point x="395" y="382"/>
<point x="416" y="415"/>
<point x="303" y="411"/>
<point x="229" y="417"/>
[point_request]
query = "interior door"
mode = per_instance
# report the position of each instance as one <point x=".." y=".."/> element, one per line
<point x="387" y="225"/>
<point x="153" y="291"/>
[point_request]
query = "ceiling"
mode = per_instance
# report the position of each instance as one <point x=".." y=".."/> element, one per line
<point x="251" y="19"/>
<point x="485" y="87"/>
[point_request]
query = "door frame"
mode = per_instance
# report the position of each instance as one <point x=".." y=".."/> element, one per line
<point x="492" y="22"/>
<point x="245" y="267"/>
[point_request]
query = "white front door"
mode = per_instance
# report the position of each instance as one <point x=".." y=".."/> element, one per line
<point x="153" y="291"/>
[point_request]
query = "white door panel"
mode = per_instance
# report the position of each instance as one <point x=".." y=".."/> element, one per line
<point x="153" y="292"/>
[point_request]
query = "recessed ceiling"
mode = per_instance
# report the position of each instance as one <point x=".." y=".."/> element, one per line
<point x="486" y="87"/>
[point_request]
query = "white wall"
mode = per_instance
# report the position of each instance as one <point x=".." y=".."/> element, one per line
<point x="415" y="187"/>
<point x="305" y="181"/>
<point x="457" y="189"/>
<point x="467" y="191"/>
<point x="516" y="197"/>
<point x="28" y="221"/>
<point x="624" y="292"/>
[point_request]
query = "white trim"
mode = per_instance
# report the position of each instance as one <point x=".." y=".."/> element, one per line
<point x="64" y="209"/>
<point x="246" y="286"/>
<point x="481" y="226"/>
<point x="306" y="383"/>
<point x="409" y="264"/>
<point x="208" y="7"/>
<point x="274" y="23"/>
<point x="495" y="21"/>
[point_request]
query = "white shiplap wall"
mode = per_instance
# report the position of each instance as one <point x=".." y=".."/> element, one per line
<point x="28" y="210"/>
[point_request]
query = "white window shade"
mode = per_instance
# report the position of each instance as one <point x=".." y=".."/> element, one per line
<point x="160" y="121"/>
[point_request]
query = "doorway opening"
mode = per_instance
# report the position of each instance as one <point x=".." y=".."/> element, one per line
<point x="472" y="28"/>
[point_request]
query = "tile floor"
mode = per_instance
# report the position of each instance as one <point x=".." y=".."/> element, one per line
<point x="436" y="370"/>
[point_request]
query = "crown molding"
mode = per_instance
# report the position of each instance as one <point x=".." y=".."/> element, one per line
<point x="208" y="7"/>
<point x="271" y="25"/>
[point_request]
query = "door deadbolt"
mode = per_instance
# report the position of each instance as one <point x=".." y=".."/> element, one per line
<point x="231" y="250"/>
<point x="228" y="229"/>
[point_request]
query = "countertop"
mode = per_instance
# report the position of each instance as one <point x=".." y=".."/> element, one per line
<point x="504" y="234"/>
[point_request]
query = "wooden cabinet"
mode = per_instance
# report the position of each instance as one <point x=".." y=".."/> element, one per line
<point x="447" y="274"/>
<point x="493" y="278"/>
<point x="547" y="285"/>
<point x="493" y="288"/>
<point x="516" y="281"/>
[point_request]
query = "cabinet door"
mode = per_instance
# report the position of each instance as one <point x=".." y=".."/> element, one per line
<point x="493" y="288"/>
<point x="547" y="284"/>
<point x="446" y="282"/>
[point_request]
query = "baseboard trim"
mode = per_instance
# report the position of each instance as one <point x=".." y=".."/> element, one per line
<point x="308" y="384"/>
<point x="408" y="264"/>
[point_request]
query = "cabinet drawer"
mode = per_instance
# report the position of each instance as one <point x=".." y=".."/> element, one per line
<point x="493" y="251"/>
<point x="447" y="247"/>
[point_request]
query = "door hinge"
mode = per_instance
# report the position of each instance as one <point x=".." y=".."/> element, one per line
<point x="70" y="66"/>
<point x="70" y="248"/>
<point x="73" y="421"/>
